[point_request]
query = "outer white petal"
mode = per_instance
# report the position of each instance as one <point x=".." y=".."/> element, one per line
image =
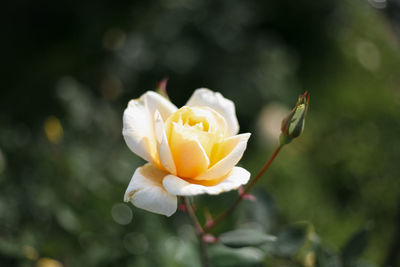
<point x="158" y="102"/>
<point x="177" y="186"/>
<point x="138" y="123"/>
<point x="214" y="100"/>
<point x="223" y="166"/>
<point x="146" y="191"/>
<point x="164" y="151"/>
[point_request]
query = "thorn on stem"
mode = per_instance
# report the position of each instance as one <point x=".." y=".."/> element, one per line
<point x="209" y="224"/>
<point x="244" y="195"/>
<point x="249" y="197"/>
<point x="182" y="207"/>
<point x="208" y="238"/>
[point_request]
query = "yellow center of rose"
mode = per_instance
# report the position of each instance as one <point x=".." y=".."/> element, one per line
<point x="194" y="134"/>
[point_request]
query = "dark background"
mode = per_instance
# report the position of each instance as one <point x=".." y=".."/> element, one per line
<point x="69" y="69"/>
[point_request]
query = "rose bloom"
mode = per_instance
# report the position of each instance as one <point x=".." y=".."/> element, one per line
<point x="190" y="151"/>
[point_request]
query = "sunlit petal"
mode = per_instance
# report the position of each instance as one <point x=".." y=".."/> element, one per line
<point x="157" y="102"/>
<point x="214" y="100"/>
<point x="225" y="156"/>
<point x="138" y="124"/>
<point x="146" y="191"/>
<point x="189" y="156"/>
<point x="177" y="186"/>
<point x="164" y="151"/>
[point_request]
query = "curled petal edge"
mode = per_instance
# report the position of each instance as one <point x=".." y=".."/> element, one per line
<point x="138" y="124"/>
<point x="146" y="191"/>
<point x="177" y="186"/>
<point x="216" y="101"/>
<point x="232" y="157"/>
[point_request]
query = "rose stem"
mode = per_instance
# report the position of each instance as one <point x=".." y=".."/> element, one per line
<point x="210" y="225"/>
<point x="199" y="230"/>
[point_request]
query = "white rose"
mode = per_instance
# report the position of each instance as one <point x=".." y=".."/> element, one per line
<point x="192" y="150"/>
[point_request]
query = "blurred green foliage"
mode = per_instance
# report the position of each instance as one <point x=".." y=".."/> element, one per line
<point x="69" y="69"/>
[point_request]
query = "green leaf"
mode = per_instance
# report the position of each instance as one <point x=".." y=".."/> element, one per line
<point x="291" y="239"/>
<point x="355" y="246"/>
<point x="221" y="256"/>
<point x="244" y="238"/>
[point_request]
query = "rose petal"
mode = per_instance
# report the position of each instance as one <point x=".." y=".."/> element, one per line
<point x="214" y="100"/>
<point x="158" y="102"/>
<point x="146" y="191"/>
<point x="231" y="151"/>
<point x="177" y="186"/>
<point x="164" y="151"/>
<point x="138" y="121"/>
<point x="189" y="156"/>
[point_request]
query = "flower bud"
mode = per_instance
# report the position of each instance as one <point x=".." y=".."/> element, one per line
<point x="293" y="124"/>
<point x="161" y="88"/>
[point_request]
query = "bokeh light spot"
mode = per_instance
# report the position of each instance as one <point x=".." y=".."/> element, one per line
<point x="67" y="219"/>
<point x="269" y="123"/>
<point x="368" y="55"/>
<point x="30" y="252"/>
<point x="121" y="213"/>
<point x="47" y="262"/>
<point x="171" y="243"/>
<point x="53" y="129"/>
